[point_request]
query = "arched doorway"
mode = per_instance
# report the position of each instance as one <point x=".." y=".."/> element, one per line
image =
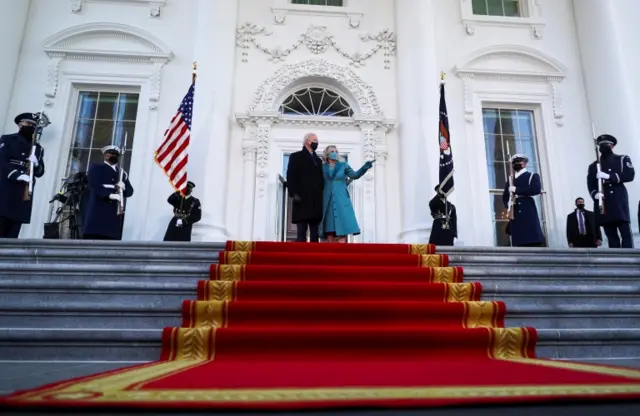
<point x="331" y="101"/>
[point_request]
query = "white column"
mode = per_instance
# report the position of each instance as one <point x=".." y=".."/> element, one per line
<point x="248" y="190"/>
<point x="214" y="51"/>
<point x="381" y="196"/>
<point x="608" y="33"/>
<point x="263" y="205"/>
<point x="417" y="86"/>
<point x="13" y="24"/>
<point x="368" y="227"/>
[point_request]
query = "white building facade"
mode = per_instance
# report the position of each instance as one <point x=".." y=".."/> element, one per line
<point x="530" y="75"/>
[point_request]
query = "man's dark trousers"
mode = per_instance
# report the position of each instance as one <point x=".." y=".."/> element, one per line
<point x="302" y="232"/>
<point x="611" y="230"/>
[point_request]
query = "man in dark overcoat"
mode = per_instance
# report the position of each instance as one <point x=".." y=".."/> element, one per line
<point x="445" y="220"/>
<point x="186" y="212"/>
<point x="305" y="184"/>
<point x="525" y="227"/>
<point x="101" y="221"/>
<point x="582" y="230"/>
<point x="15" y="152"/>
<point x="615" y="171"/>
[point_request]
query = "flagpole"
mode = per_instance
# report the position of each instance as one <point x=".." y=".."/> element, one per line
<point x="443" y="77"/>
<point x="195" y="72"/>
<point x="194" y="76"/>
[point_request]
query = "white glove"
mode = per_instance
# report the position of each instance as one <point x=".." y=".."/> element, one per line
<point x="602" y="175"/>
<point x="115" y="197"/>
<point x="34" y="160"/>
<point x="599" y="196"/>
<point x="512" y="189"/>
<point x="24" y="178"/>
<point x="178" y="222"/>
<point x="121" y="185"/>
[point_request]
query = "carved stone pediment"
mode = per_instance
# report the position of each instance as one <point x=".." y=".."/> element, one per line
<point x="512" y="61"/>
<point x="509" y="63"/>
<point x="110" y="42"/>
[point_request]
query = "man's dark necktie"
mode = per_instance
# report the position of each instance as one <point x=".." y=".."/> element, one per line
<point x="581" y="227"/>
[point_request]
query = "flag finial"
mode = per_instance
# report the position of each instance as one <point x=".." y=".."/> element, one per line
<point x="195" y="71"/>
<point x="443" y="76"/>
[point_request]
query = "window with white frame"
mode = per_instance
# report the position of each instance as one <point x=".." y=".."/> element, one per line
<point x="316" y="102"/>
<point x="102" y="118"/>
<point x="335" y="3"/>
<point x="504" y="8"/>
<point x="508" y="130"/>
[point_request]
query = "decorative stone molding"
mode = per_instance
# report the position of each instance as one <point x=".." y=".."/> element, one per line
<point x="155" y="6"/>
<point x="282" y="8"/>
<point x="249" y="151"/>
<point x="269" y="92"/>
<point x="513" y="64"/>
<point x="531" y="18"/>
<point x="317" y="39"/>
<point x="75" y="43"/>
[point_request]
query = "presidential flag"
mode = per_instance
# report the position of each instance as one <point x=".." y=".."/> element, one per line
<point x="445" y="172"/>
<point x="173" y="154"/>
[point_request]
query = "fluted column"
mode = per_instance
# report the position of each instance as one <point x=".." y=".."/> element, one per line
<point x="380" y="168"/>
<point x="248" y="190"/>
<point x="417" y="86"/>
<point x="214" y="49"/>
<point x="608" y="33"/>
<point x="13" y="23"/>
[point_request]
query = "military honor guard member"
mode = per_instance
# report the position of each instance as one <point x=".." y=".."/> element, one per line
<point x="615" y="171"/>
<point x="102" y="221"/>
<point x="445" y="220"/>
<point x="186" y="212"/>
<point x="582" y="230"/>
<point x="525" y="227"/>
<point x="15" y="152"/>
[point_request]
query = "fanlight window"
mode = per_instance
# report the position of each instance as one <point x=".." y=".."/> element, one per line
<point x="316" y="102"/>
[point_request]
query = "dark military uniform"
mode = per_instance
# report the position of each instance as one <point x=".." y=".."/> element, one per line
<point x="525" y="227"/>
<point x="15" y="150"/>
<point x="101" y="220"/>
<point x="186" y="209"/>
<point x="618" y="170"/>
<point x="445" y="221"/>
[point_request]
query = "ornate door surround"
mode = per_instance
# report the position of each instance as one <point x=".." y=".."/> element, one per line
<point x="259" y="181"/>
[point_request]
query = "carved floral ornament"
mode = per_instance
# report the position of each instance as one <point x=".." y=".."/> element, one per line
<point x="155" y="6"/>
<point x="70" y="44"/>
<point x="317" y="40"/>
<point x="509" y="63"/>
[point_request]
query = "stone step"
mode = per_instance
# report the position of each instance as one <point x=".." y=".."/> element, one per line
<point x="154" y="313"/>
<point x="19" y="344"/>
<point x="20" y="257"/>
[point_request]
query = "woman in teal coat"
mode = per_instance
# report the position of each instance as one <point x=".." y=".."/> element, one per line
<point x="338" y="219"/>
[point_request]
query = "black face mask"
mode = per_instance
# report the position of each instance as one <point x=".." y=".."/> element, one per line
<point x="113" y="159"/>
<point x="517" y="167"/>
<point x="314" y="146"/>
<point x="605" y="149"/>
<point x="27" y="131"/>
<point x="580" y="206"/>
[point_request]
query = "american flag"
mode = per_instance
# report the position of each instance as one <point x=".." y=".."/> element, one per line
<point x="173" y="154"/>
<point x="445" y="172"/>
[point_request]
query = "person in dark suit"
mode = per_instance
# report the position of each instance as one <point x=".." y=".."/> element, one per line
<point x="15" y="152"/>
<point x="101" y="221"/>
<point x="445" y="220"/>
<point x="582" y="230"/>
<point x="525" y="227"/>
<point x="615" y="171"/>
<point x="305" y="183"/>
<point x="186" y="212"/>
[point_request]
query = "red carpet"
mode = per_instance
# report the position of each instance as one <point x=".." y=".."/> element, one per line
<point x="311" y="326"/>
